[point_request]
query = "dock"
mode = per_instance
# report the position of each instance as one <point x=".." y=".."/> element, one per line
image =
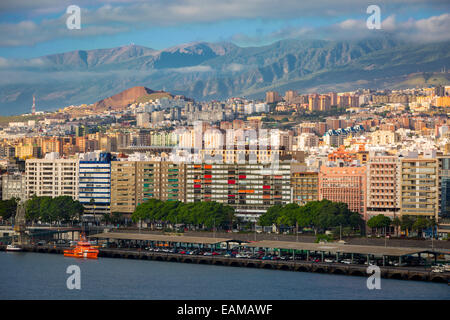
<point x="140" y="241"/>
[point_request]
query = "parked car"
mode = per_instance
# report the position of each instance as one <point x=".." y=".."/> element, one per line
<point x="346" y="261"/>
<point x="397" y="264"/>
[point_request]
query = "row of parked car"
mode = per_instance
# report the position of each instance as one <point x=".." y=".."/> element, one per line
<point x="262" y="255"/>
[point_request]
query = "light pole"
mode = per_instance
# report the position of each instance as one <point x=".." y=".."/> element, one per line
<point x="432" y="238"/>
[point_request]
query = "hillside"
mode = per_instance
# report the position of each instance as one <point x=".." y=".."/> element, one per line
<point x="122" y="99"/>
<point x="205" y="71"/>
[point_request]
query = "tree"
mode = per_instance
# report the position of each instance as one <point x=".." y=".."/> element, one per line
<point x="406" y="223"/>
<point x="270" y="217"/>
<point x="33" y="208"/>
<point x="46" y="213"/>
<point x="199" y="214"/>
<point x="420" y="224"/>
<point x="58" y="209"/>
<point x="8" y="208"/>
<point x="379" y="222"/>
<point x="92" y="205"/>
<point x="396" y="222"/>
<point x="319" y="215"/>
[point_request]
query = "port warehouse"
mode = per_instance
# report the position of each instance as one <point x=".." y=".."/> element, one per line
<point x="336" y="249"/>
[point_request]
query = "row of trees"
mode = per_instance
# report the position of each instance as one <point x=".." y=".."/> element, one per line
<point x="196" y="214"/>
<point x="45" y="209"/>
<point x="318" y="215"/>
<point x="405" y="223"/>
<point x="51" y="210"/>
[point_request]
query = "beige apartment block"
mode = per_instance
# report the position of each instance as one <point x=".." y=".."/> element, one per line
<point x="383" y="186"/>
<point x="419" y="187"/>
<point x="52" y="177"/>
<point x="123" y="186"/>
<point x="134" y="182"/>
<point x="305" y="187"/>
<point x="384" y="137"/>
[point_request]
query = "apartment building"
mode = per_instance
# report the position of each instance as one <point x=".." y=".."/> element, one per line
<point x="95" y="183"/>
<point x="134" y="182"/>
<point x="444" y="193"/>
<point x="384" y="137"/>
<point x="14" y="185"/>
<point x="162" y="180"/>
<point x="249" y="188"/>
<point x="344" y="184"/>
<point x="305" y="187"/>
<point x="240" y="155"/>
<point x="419" y="187"/>
<point x="123" y="186"/>
<point x="52" y="177"/>
<point x="383" y="186"/>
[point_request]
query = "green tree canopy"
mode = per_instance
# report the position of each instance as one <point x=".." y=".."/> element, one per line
<point x="48" y="209"/>
<point x="8" y="208"/>
<point x="319" y="215"/>
<point x="205" y="214"/>
<point x="379" y="221"/>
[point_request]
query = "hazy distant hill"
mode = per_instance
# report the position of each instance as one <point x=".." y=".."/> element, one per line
<point x="217" y="70"/>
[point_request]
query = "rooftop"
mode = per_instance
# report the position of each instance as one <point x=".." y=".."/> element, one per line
<point x="337" y="248"/>
<point x="158" y="237"/>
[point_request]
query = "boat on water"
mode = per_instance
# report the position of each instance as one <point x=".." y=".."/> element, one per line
<point x="83" y="249"/>
<point x="13" y="247"/>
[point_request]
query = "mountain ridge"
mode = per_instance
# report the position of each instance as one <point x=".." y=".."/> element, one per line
<point x="205" y="71"/>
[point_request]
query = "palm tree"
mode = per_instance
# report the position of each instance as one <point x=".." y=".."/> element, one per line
<point x="396" y="222"/>
<point x="92" y="205"/>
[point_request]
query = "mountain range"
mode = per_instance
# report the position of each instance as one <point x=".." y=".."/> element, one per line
<point x="205" y="71"/>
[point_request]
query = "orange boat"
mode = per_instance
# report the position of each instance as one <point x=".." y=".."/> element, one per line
<point x="83" y="249"/>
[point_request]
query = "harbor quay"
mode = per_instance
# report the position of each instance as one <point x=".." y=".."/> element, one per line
<point x="333" y="258"/>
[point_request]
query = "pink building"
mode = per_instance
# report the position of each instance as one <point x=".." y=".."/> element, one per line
<point x="344" y="184"/>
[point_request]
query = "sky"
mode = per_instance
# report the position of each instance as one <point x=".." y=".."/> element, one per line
<point x="33" y="28"/>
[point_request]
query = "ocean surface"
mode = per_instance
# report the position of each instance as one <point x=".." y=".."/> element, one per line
<point x="43" y="276"/>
